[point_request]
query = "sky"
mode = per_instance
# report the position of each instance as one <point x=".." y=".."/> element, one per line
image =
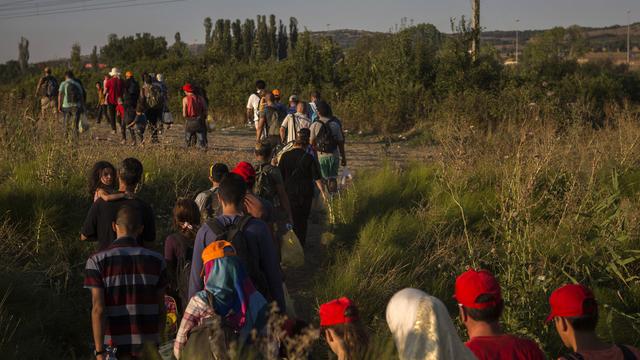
<point x="51" y="36"/>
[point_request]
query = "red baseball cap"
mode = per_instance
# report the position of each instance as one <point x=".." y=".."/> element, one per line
<point x="187" y="88"/>
<point x="335" y="312"/>
<point x="473" y="283"/>
<point x="568" y="301"/>
<point x="246" y="172"/>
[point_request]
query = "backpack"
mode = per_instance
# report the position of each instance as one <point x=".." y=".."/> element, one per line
<point x="210" y="335"/>
<point x="74" y="92"/>
<point x="626" y="354"/>
<point x="155" y="99"/>
<point x="265" y="187"/>
<point x="212" y="206"/>
<point x="234" y="233"/>
<point x="272" y="125"/>
<point x="325" y="141"/>
<point x="49" y="87"/>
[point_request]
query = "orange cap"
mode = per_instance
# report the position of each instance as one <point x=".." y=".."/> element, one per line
<point x="276" y="92"/>
<point x="128" y="74"/>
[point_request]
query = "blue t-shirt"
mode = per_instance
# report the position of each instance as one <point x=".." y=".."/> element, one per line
<point x="260" y="247"/>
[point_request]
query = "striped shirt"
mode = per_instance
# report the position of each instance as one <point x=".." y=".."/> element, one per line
<point x="132" y="278"/>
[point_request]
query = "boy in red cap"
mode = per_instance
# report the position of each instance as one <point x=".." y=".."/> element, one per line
<point x="253" y="205"/>
<point x="574" y="311"/>
<point x="342" y="329"/>
<point x="480" y="304"/>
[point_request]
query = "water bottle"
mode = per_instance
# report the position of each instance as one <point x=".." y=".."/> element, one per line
<point x="111" y="351"/>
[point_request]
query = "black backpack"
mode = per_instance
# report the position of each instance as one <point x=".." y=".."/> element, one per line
<point x="626" y="354"/>
<point x="294" y="185"/>
<point x="325" y="141"/>
<point x="264" y="186"/>
<point x="155" y="97"/>
<point x="234" y="233"/>
<point x="74" y="92"/>
<point x="49" y="87"/>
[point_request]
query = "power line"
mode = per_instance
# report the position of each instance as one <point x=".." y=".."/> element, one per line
<point x="29" y="4"/>
<point x="79" y="9"/>
<point x="37" y="11"/>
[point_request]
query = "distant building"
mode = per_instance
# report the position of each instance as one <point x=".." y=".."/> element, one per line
<point x="90" y="66"/>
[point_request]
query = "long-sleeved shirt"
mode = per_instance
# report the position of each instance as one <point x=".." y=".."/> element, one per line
<point x="260" y="248"/>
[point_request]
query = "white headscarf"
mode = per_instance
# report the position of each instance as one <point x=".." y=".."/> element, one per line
<point x="422" y="328"/>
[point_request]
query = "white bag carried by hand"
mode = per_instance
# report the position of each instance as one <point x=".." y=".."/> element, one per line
<point x="83" y="124"/>
<point x="292" y="253"/>
<point x="346" y="176"/>
<point x="167" y="118"/>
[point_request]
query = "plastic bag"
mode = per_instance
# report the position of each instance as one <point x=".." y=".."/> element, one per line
<point x="167" y="118"/>
<point x="292" y="253"/>
<point x="346" y="177"/>
<point x="291" y="308"/>
<point x="83" y="124"/>
<point x="210" y="124"/>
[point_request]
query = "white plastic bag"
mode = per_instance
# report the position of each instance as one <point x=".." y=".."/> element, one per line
<point x="167" y="118"/>
<point x="83" y="124"/>
<point x="210" y="124"/>
<point x="346" y="177"/>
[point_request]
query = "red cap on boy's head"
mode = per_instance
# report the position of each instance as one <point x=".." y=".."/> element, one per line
<point x="471" y="284"/>
<point x="187" y="88"/>
<point x="568" y="301"/>
<point x="335" y="312"/>
<point x="246" y="172"/>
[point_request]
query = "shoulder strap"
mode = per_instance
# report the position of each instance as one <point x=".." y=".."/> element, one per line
<point x="627" y="354"/>
<point x="216" y="227"/>
<point x="239" y="227"/>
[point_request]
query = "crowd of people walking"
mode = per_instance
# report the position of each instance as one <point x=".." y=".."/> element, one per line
<point x="222" y="278"/>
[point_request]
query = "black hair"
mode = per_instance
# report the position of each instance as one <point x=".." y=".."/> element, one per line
<point x="490" y="314"/>
<point x="128" y="218"/>
<point x="324" y="109"/>
<point x="232" y="189"/>
<point x="69" y="74"/>
<point x="99" y="83"/>
<point x="260" y="84"/>
<point x="146" y="78"/>
<point x="586" y="323"/>
<point x="264" y="149"/>
<point x="353" y="334"/>
<point x="47" y="70"/>
<point x="96" y="174"/>
<point x="303" y="136"/>
<point x="218" y="172"/>
<point x="131" y="171"/>
<point x="315" y="94"/>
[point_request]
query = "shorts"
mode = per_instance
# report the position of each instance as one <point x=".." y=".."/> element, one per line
<point x="329" y="166"/>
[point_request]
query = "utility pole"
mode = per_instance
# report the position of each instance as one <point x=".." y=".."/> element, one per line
<point x="517" y="39"/>
<point x="475" y="27"/>
<point x="628" y="37"/>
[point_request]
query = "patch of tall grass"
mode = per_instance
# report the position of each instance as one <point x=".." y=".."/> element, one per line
<point x="538" y="204"/>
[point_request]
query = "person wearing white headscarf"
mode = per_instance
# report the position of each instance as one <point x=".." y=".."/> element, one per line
<point x="422" y="328"/>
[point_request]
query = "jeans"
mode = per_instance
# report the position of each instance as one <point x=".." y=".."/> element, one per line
<point x="102" y="110"/>
<point x="71" y="115"/>
<point x="129" y="117"/>
<point x="154" y="116"/>
<point x="199" y="135"/>
<point x="111" y="116"/>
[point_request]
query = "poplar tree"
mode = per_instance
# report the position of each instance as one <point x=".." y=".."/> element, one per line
<point x="248" y="38"/>
<point x="283" y="41"/>
<point x="273" y="39"/>
<point x="208" y="25"/>
<point x="94" y="58"/>
<point x="76" y="61"/>
<point x="23" y="54"/>
<point x="238" y="49"/>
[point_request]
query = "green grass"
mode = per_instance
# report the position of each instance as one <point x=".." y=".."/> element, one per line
<point x="538" y="212"/>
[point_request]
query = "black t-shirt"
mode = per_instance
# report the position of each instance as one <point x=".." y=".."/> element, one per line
<point x="299" y="171"/>
<point x="97" y="225"/>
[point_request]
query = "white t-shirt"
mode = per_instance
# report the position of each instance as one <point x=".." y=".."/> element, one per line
<point x="301" y="122"/>
<point x="254" y="104"/>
